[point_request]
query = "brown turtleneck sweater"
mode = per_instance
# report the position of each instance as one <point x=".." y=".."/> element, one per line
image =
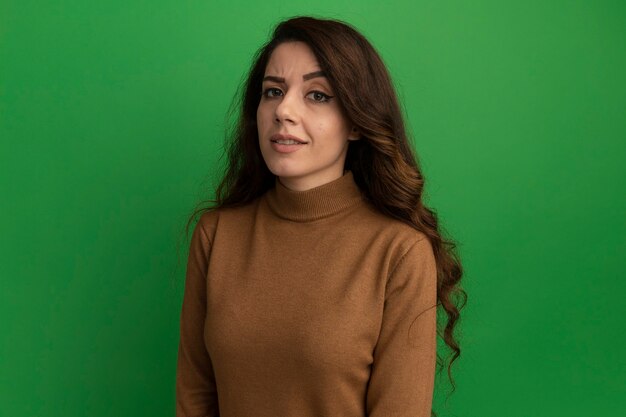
<point x="307" y="304"/>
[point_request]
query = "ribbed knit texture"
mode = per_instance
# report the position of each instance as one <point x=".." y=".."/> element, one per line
<point x="316" y="203"/>
<point x="307" y="303"/>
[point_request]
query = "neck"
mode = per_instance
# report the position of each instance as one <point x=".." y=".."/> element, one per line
<point x="303" y="184"/>
<point x="315" y="203"/>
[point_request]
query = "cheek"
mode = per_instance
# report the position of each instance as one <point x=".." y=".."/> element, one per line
<point x="334" y="127"/>
<point x="263" y="117"/>
<point x="327" y="124"/>
<point x="259" y="118"/>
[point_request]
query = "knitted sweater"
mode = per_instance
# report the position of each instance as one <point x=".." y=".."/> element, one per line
<point x="307" y="304"/>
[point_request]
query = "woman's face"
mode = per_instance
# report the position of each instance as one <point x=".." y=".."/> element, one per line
<point x="297" y="101"/>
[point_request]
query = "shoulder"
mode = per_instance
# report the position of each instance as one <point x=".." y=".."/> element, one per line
<point x="399" y="234"/>
<point x="411" y="256"/>
<point x="225" y="217"/>
<point x="408" y="241"/>
<point x="414" y="248"/>
<point x="398" y="240"/>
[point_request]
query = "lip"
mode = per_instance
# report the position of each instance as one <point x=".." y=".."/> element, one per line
<point x="284" y="136"/>
<point x="283" y="148"/>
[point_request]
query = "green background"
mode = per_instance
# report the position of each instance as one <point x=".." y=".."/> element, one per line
<point x="112" y="121"/>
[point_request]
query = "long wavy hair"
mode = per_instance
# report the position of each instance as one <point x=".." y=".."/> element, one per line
<point x="383" y="161"/>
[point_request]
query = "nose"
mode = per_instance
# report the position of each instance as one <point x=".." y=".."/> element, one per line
<point x="287" y="109"/>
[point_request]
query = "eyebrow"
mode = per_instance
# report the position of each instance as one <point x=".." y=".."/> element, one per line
<point x="305" y="77"/>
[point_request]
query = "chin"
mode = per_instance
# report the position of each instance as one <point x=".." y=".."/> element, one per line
<point x="284" y="171"/>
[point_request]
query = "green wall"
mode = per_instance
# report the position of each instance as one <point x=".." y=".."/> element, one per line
<point x="111" y="124"/>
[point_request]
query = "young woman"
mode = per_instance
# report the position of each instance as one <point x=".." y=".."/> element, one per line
<point x="313" y="280"/>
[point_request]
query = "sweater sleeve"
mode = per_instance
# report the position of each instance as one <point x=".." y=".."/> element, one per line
<point x="196" y="393"/>
<point x="403" y="373"/>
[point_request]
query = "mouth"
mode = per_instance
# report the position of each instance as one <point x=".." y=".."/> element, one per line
<point x="286" y="140"/>
<point x="286" y="144"/>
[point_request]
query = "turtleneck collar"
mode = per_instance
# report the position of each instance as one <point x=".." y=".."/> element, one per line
<point x="315" y="203"/>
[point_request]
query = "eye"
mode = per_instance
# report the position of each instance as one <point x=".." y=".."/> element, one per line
<point x="320" y="97"/>
<point x="270" y="92"/>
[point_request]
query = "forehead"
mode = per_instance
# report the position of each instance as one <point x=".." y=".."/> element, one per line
<point x="291" y="57"/>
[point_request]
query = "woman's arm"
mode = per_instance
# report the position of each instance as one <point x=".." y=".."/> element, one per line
<point x="196" y="392"/>
<point x="403" y="373"/>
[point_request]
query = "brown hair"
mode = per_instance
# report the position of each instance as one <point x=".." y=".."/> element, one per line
<point x="383" y="161"/>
